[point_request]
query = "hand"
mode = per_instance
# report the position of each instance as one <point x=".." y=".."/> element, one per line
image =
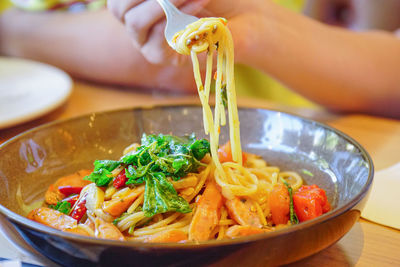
<point x="145" y="22"/>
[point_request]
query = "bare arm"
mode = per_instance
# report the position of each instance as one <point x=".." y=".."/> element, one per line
<point x="340" y="69"/>
<point x="89" y="45"/>
<point x="337" y="68"/>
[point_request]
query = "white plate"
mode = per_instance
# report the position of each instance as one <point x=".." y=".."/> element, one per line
<point x="29" y="89"/>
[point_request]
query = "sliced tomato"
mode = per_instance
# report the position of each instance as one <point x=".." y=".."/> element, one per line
<point x="279" y="201"/>
<point x="309" y="202"/>
<point x="225" y="153"/>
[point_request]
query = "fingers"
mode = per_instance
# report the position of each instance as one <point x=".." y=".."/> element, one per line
<point x="156" y="50"/>
<point x="119" y="8"/>
<point x="145" y="24"/>
<point x="142" y="18"/>
<point x="154" y="47"/>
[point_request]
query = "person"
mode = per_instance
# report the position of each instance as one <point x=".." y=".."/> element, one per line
<point x="125" y="65"/>
<point x="339" y="69"/>
<point x="91" y="45"/>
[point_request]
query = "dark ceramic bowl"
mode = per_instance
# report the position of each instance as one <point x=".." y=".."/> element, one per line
<point x="32" y="161"/>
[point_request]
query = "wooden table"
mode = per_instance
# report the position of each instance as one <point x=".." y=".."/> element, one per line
<point x="367" y="244"/>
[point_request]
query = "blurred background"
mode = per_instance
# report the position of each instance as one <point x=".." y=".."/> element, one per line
<point x="29" y="29"/>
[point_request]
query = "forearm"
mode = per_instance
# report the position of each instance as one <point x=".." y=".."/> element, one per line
<point x="337" y="68"/>
<point x="89" y="45"/>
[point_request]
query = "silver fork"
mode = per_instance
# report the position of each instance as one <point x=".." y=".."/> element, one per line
<point x="176" y="20"/>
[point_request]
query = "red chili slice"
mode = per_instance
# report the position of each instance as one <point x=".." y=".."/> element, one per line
<point x="120" y="180"/>
<point x="69" y="190"/>
<point x="72" y="199"/>
<point x="79" y="210"/>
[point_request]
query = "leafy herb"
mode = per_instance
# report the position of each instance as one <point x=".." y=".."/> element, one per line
<point x="200" y="148"/>
<point x="133" y="176"/>
<point x="224" y="96"/>
<point x="158" y="157"/>
<point x="160" y="196"/>
<point x="173" y="156"/>
<point x="120" y="218"/>
<point x="102" y="172"/>
<point x="307" y="172"/>
<point x="62" y="206"/>
<point x="139" y="208"/>
<point x="292" y="213"/>
<point x="131" y="229"/>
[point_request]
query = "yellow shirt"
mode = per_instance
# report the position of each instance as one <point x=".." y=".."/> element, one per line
<point x="253" y="83"/>
<point x="4" y="4"/>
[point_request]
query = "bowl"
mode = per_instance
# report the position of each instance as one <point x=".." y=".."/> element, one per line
<point x="33" y="160"/>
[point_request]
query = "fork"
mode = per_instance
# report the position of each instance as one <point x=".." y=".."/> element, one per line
<point x="176" y="20"/>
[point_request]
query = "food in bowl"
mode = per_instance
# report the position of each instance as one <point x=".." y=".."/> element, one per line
<point x="32" y="161"/>
<point x="171" y="189"/>
<point x="167" y="190"/>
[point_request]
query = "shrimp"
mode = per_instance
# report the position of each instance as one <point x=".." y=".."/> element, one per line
<point x="243" y="211"/>
<point x="53" y="195"/>
<point x="57" y="220"/>
<point x="52" y="218"/>
<point x="118" y="205"/>
<point x="89" y="223"/>
<point x="168" y="236"/>
<point x="107" y="230"/>
<point x="207" y="214"/>
<point x="78" y="231"/>
<point x="240" y="230"/>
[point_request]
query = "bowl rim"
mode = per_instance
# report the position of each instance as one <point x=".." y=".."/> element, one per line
<point x="19" y="219"/>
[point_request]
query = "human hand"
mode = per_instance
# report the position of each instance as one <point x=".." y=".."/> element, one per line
<point x="145" y="22"/>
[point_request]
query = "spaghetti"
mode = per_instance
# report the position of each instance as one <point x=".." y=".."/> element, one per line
<point x="212" y="35"/>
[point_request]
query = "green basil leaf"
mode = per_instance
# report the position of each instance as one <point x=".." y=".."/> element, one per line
<point x="200" y="148"/>
<point x="108" y="165"/>
<point x="179" y="163"/>
<point x="101" y="177"/>
<point x="62" y="206"/>
<point x="102" y="172"/>
<point x="132" y="175"/>
<point x="160" y="196"/>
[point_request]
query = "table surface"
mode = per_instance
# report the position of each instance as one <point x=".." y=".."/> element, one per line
<point x="367" y="244"/>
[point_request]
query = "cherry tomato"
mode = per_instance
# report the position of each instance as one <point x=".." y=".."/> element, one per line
<point x="309" y="202"/>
